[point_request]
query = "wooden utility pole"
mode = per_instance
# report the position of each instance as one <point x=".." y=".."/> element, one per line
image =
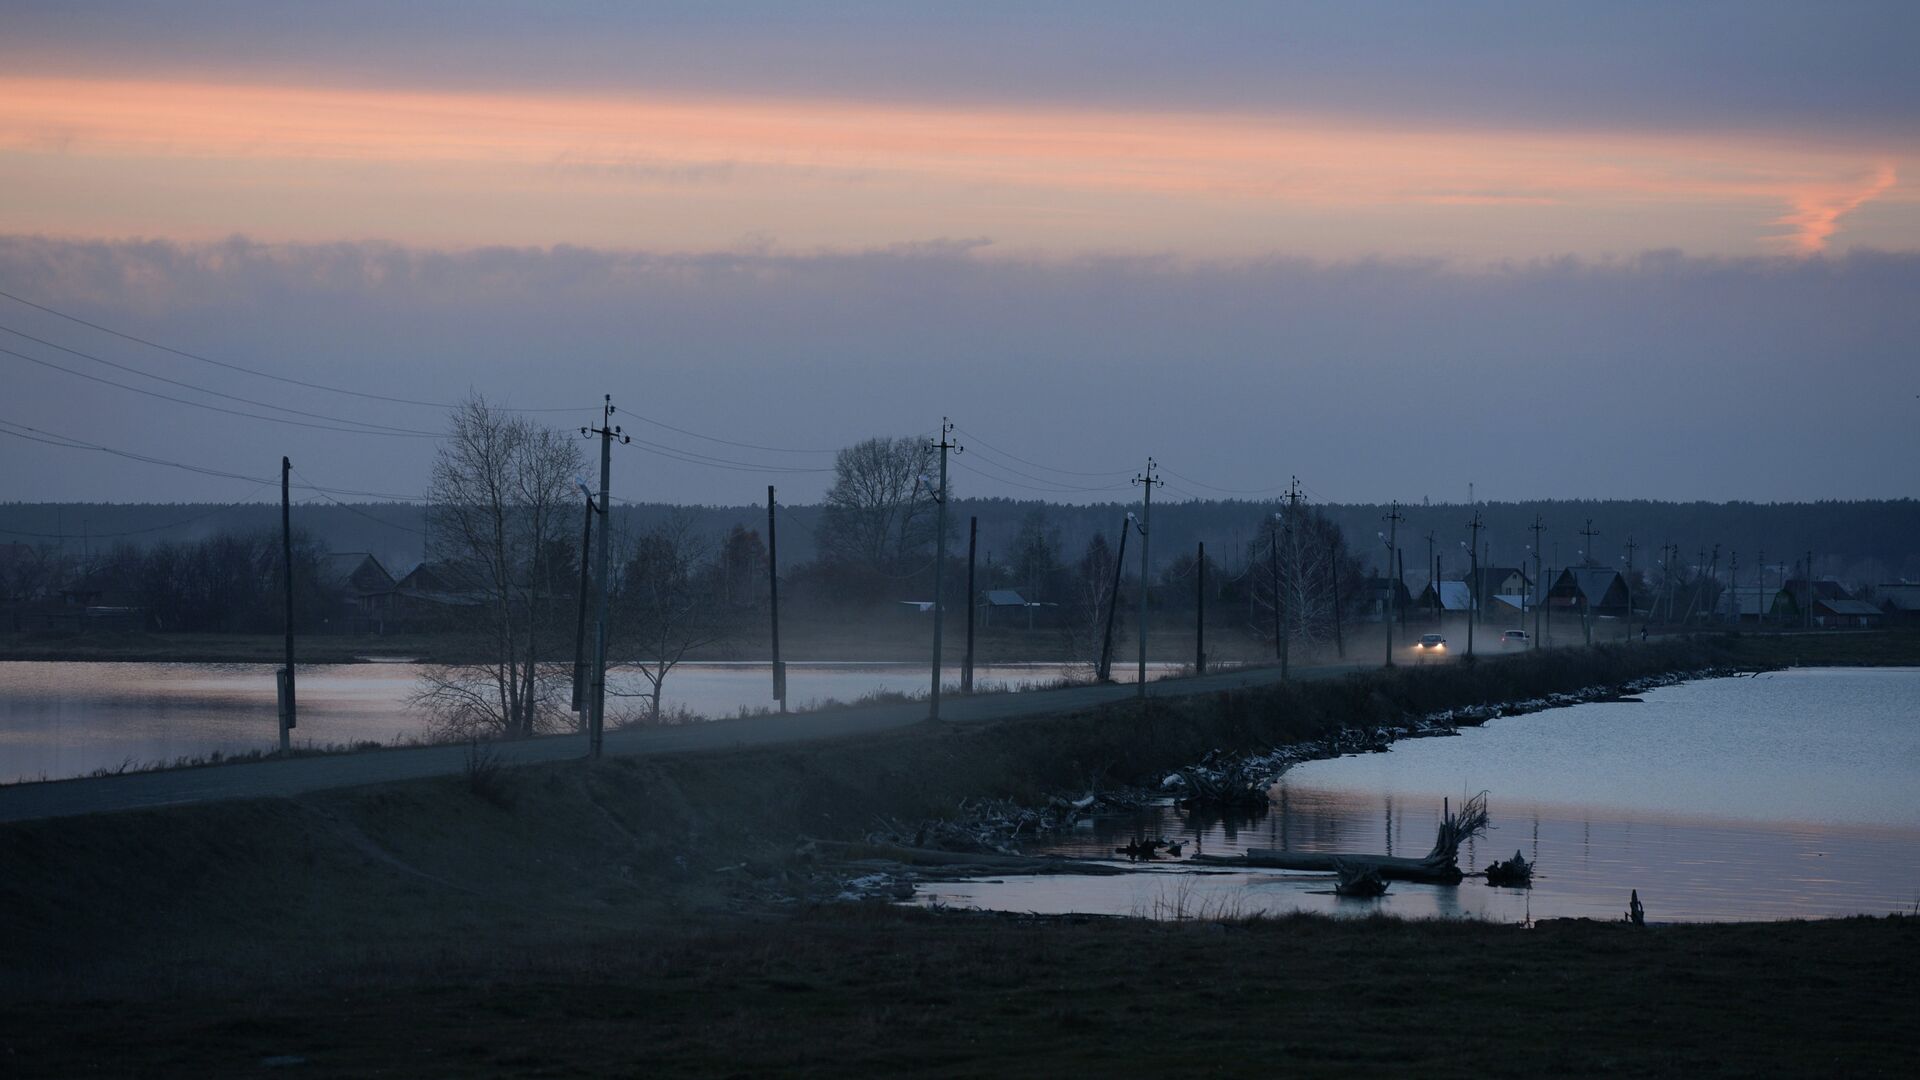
<point x="1146" y="480"/>
<point x="1394" y="518"/>
<point x="288" y="713"/>
<point x="1333" y="578"/>
<point x="940" y="562"/>
<point x="1586" y="602"/>
<point x="1539" y="584"/>
<point x="1200" y="611"/>
<point x="773" y="602"/>
<point x="608" y="431"/>
<point x="1113" y="600"/>
<point x="1433" y="580"/>
<point x="580" y="617"/>
<point x="973" y="543"/>
<point x="1807" y="617"/>
<point x="1273" y="573"/>
<point x="1473" y="561"/>
<point x="1630" y="549"/>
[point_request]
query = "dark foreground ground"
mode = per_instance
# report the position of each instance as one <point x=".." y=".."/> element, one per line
<point x="654" y="916"/>
<point x="877" y="991"/>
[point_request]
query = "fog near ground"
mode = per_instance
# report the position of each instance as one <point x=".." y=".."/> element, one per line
<point x="1655" y="376"/>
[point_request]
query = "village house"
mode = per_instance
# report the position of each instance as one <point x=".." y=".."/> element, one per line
<point x="1833" y="607"/>
<point x="1596" y="590"/>
<point x="363" y="591"/>
<point x="1899" y="603"/>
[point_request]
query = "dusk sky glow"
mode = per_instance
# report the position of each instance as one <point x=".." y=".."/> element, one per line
<point x="876" y="214"/>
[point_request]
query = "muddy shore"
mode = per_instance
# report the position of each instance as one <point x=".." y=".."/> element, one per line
<point x="653" y="915"/>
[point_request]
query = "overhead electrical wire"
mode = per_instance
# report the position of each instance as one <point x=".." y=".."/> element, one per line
<point x="51" y="438"/>
<point x="245" y="500"/>
<point x="204" y="390"/>
<point x="218" y="408"/>
<point x="136" y="339"/>
<point x="1031" y="464"/>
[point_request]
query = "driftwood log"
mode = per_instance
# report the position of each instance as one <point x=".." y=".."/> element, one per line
<point x="1441" y="866"/>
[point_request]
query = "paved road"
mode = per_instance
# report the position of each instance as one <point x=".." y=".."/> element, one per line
<point x="65" y="798"/>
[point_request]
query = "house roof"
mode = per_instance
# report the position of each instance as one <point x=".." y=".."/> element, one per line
<point x="1455" y="596"/>
<point x="344" y="569"/>
<point x="1901" y="596"/>
<point x="1594" y="582"/>
<point x="1847" y="607"/>
<point x="1005" y="598"/>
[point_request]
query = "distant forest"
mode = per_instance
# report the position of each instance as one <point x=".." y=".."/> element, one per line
<point x="1861" y="542"/>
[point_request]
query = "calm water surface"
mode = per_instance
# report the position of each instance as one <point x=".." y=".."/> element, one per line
<point x="68" y="719"/>
<point x="1791" y="795"/>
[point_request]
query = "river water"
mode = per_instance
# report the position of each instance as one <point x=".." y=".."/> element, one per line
<point x="1795" y="794"/>
<point x="68" y="719"/>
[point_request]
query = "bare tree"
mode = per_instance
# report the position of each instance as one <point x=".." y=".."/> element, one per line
<point x="879" y="516"/>
<point x="1314" y="568"/>
<point x="1090" y="591"/>
<point x="500" y="519"/>
<point x="668" y="605"/>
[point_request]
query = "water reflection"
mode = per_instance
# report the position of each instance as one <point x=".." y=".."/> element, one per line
<point x="67" y="719"/>
<point x="1756" y="813"/>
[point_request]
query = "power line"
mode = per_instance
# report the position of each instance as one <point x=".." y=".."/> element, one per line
<point x="241" y="367"/>
<point x="69" y="443"/>
<point x="204" y="390"/>
<point x="726" y="442"/>
<point x="218" y="408"/>
<point x="1043" y="486"/>
<point x="350" y="508"/>
<point x="1035" y="464"/>
<point x="245" y="500"/>
<point x="1226" y="490"/>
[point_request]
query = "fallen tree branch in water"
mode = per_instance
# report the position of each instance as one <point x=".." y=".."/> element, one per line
<point x="1441" y="866"/>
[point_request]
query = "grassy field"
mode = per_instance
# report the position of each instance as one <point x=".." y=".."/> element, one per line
<point x="654" y="915"/>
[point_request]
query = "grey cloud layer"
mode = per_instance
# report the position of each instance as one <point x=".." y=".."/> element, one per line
<point x="1662" y="376"/>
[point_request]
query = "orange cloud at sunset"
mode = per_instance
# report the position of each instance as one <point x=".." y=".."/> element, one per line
<point x="95" y="157"/>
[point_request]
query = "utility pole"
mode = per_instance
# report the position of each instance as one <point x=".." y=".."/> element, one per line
<point x="1146" y="480"/>
<point x="1539" y="584"/>
<point x="288" y="714"/>
<point x="1394" y="517"/>
<point x="1200" y="611"/>
<point x="1760" y="616"/>
<point x="1807" y="617"/>
<point x="1733" y="588"/>
<point x="597" y="700"/>
<point x="580" y="619"/>
<point x="940" y="561"/>
<point x="1473" y="556"/>
<point x="1113" y="600"/>
<point x="773" y="603"/>
<point x="1433" y="582"/>
<point x="1333" y="577"/>
<point x="973" y="541"/>
<point x="1630" y="548"/>
<point x="1586" y="602"/>
<point x="1273" y="572"/>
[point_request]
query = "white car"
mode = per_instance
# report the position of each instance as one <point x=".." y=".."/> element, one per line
<point x="1430" y="643"/>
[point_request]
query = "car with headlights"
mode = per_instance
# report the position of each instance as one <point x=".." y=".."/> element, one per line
<point x="1430" y="643"/>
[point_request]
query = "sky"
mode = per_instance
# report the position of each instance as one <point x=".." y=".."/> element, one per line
<point x="1558" y="250"/>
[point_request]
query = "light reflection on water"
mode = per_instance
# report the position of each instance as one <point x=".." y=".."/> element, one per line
<point x="1796" y="796"/>
<point x="67" y="719"/>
